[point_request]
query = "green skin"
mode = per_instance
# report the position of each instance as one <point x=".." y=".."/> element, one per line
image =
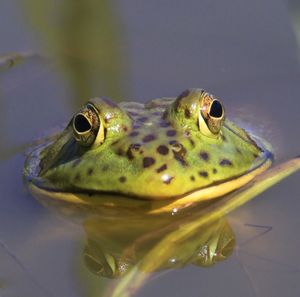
<point x="151" y="151"/>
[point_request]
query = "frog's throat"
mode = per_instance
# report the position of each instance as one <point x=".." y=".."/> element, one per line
<point x="155" y="206"/>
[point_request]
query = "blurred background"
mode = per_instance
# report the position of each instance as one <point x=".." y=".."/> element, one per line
<point x="137" y="51"/>
<point x="54" y="55"/>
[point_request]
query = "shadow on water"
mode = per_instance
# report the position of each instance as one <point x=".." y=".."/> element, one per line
<point x="86" y="40"/>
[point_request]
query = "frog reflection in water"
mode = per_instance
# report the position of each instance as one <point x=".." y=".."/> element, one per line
<point x="113" y="249"/>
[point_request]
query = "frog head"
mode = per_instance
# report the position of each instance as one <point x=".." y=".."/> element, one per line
<point x="166" y="148"/>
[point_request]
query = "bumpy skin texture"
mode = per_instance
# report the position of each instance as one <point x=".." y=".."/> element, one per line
<point x="153" y="151"/>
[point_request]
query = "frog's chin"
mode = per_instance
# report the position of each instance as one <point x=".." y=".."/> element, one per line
<point x="146" y="204"/>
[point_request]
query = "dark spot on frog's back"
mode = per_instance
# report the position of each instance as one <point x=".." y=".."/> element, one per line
<point x="134" y="133"/>
<point x="171" y="133"/>
<point x="204" y="156"/>
<point x="122" y="179"/>
<point x="129" y="154"/>
<point x="156" y="113"/>
<point x="203" y="174"/>
<point x="173" y="142"/>
<point x="90" y="171"/>
<point x="135" y="146"/>
<point x="187" y="113"/>
<point x="148" y="161"/>
<point x="142" y="119"/>
<point x="179" y="153"/>
<point x="149" y="137"/>
<point x="164" y="124"/>
<point x="225" y="162"/>
<point x="136" y="125"/>
<point x="162" y="149"/>
<point x="192" y="142"/>
<point x="131" y="148"/>
<point x="161" y="168"/>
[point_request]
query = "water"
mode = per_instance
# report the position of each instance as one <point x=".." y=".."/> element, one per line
<point x="246" y="54"/>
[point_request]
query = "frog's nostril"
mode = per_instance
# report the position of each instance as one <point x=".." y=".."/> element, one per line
<point x="81" y="123"/>
<point x="216" y="109"/>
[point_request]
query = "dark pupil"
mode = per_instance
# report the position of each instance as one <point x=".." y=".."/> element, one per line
<point x="216" y="109"/>
<point x="81" y="123"/>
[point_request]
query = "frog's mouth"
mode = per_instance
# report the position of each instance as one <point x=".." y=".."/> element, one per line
<point x="111" y="199"/>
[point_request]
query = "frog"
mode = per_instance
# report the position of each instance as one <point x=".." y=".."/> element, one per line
<point x="162" y="155"/>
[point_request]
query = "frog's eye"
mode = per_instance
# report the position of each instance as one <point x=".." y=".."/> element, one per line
<point x="87" y="126"/>
<point x="211" y="116"/>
